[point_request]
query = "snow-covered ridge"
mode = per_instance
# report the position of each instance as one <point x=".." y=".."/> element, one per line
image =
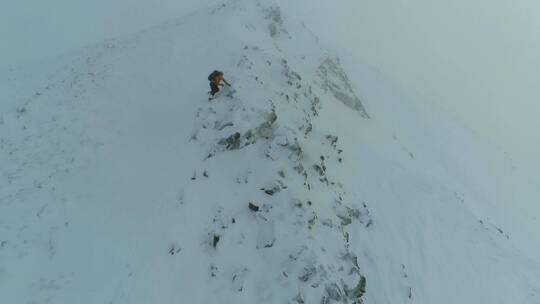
<point x="296" y="210"/>
<point x="124" y="184"/>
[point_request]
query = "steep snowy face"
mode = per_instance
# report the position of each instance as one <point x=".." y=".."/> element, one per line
<point x="125" y="184"/>
<point x="285" y="216"/>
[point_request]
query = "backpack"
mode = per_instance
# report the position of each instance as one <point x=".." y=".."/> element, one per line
<point x="214" y="75"/>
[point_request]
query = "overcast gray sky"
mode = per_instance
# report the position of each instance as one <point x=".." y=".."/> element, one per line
<point x="34" y="29"/>
<point x="479" y="59"/>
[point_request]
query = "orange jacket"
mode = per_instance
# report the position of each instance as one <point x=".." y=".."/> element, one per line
<point x="217" y="80"/>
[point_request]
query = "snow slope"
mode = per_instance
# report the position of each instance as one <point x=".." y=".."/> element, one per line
<point x="122" y="183"/>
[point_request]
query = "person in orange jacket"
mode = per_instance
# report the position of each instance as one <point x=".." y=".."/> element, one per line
<point x="215" y="81"/>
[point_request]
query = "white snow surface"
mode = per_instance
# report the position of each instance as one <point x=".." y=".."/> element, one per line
<point x="121" y="183"/>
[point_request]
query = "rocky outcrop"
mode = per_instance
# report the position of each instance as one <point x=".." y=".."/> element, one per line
<point x="280" y="129"/>
<point x="335" y="80"/>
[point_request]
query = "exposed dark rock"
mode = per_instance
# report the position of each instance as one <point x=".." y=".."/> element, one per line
<point x="253" y="207"/>
<point x="274" y="14"/>
<point x="213" y="270"/>
<point x="174" y="249"/>
<point x="358" y="291"/>
<point x="345" y="220"/>
<point x="333" y="292"/>
<point x="215" y="240"/>
<point x="296" y="150"/>
<point x="351" y="257"/>
<point x="319" y="169"/>
<point x="274" y="188"/>
<point x="264" y="130"/>
<point x="232" y="142"/>
<point x="336" y="81"/>
<point x="332" y="139"/>
<point x="307" y="273"/>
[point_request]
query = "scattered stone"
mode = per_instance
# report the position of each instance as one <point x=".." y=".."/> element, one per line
<point x="218" y="220"/>
<point x="307" y="273"/>
<point x="213" y="270"/>
<point x="308" y="129"/>
<point x="215" y="240"/>
<point x="174" y="249"/>
<point x="232" y="142"/>
<point x="253" y="207"/>
<point x="274" y="188"/>
<point x="358" y="291"/>
<point x="180" y="198"/>
<point x="404" y="271"/>
<point x="332" y="139"/>
<point x="353" y="212"/>
<point x="319" y="169"/>
<point x="369" y="223"/>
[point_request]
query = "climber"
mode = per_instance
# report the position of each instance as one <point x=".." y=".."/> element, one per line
<point x="215" y="81"/>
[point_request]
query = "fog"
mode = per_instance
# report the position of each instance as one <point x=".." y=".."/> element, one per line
<point x="478" y="59"/>
<point x="34" y="29"/>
